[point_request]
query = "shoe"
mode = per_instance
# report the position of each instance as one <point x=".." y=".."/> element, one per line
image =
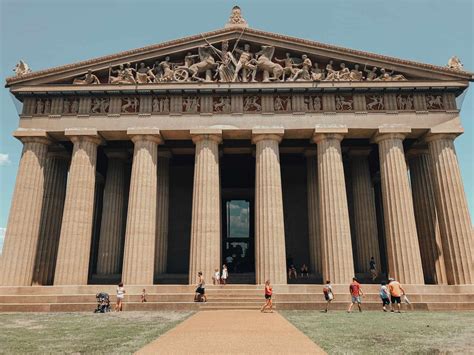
<point x="385" y="310"/>
<point x="392" y="311"/>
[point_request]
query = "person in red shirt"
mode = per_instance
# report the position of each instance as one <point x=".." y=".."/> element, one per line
<point x="268" y="297"/>
<point x="356" y="294"/>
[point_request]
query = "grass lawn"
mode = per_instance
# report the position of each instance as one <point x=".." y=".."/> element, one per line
<point x="83" y="332"/>
<point x="378" y="332"/>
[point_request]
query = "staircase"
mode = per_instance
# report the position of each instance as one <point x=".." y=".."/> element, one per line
<point x="180" y="297"/>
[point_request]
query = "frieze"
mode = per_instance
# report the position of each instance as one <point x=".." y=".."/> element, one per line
<point x="238" y="104"/>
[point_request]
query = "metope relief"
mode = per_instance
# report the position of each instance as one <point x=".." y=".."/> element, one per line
<point x="70" y="105"/>
<point x="434" y="102"/>
<point x="405" y="102"/>
<point x="100" y="105"/>
<point x="282" y="103"/>
<point x="374" y="102"/>
<point x="344" y="103"/>
<point x="129" y="105"/>
<point x="191" y="104"/>
<point x="252" y="103"/>
<point x="221" y="104"/>
<point x="161" y="104"/>
<point x="313" y="103"/>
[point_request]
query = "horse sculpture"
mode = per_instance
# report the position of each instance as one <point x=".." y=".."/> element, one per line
<point x="264" y="63"/>
<point x="206" y="64"/>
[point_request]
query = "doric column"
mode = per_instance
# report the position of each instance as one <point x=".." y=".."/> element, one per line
<point x="270" y="254"/>
<point x="140" y="235"/>
<point x="365" y="219"/>
<point x="337" y="260"/>
<point x="403" y="253"/>
<point x="55" y="180"/>
<point x="426" y="218"/>
<point x="313" y="212"/>
<point x="162" y="206"/>
<point x="453" y="213"/>
<point x="205" y="253"/>
<point x="109" y="256"/>
<point x="21" y="239"/>
<point x="72" y="265"/>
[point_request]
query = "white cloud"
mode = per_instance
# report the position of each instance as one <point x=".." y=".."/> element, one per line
<point x="2" y="237"/>
<point x="4" y="160"/>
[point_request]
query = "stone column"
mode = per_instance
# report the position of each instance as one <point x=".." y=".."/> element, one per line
<point x="21" y="239"/>
<point x="365" y="219"/>
<point x="162" y="206"/>
<point x="112" y="228"/>
<point x="270" y="254"/>
<point x="337" y="260"/>
<point x="426" y="218"/>
<point x="56" y="169"/>
<point x="205" y="253"/>
<point x="72" y="265"/>
<point x="315" y="254"/>
<point x="403" y="253"/>
<point x="140" y="235"/>
<point x="453" y="213"/>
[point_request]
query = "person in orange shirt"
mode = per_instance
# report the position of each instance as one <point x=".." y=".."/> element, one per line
<point x="396" y="293"/>
<point x="268" y="297"/>
<point x="356" y="293"/>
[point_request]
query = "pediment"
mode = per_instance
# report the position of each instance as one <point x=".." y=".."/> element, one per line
<point x="269" y="58"/>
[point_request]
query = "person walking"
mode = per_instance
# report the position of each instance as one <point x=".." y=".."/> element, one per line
<point x="200" y="295"/>
<point x="373" y="268"/>
<point x="356" y="294"/>
<point x="268" y="297"/>
<point x="216" y="279"/>
<point x="143" y="296"/>
<point x="384" y="295"/>
<point x="396" y="293"/>
<point x="328" y="294"/>
<point x="224" y="275"/>
<point x="120" y="297"/>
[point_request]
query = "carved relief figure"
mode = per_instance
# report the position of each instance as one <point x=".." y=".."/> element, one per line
<point x="316" y="73"/>
<point x="331" y="74"/>
<point x="168" y="72"/>
<point x="371" y="74"/>
<point x="356" y="74"/>
<point x="100" y="105"/>
<point x="376" y="103"/>
<point x="21" y="68"/>
<point x="252" y="103"/>
<point x="206" y="64"/>
<point x="87" y="79"/>
<point x="226" y="64"/>
<point x="344" y="103"/>
<point x="434" y="102"/>
<point x="386" y="76"/>
<point x="47" y="106"/>
<point x="281" y="103"/>
<point x="453" y="63"/>
<point x="191" y="104"/>
<point x="246" y="64"/>
<point x="264" y="63"/>
<point x="129" y="104"/>
<point x="303" y="73"/>
<point x="222" y="104"/>
<point x="144" y="74"/>
<point x="288" y="66"/>
<point x="39" y="107"/>
<point x="344" y="73"/>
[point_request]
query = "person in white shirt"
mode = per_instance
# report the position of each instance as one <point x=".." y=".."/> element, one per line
<point x="224" y="275"/>
<point x="216" y="279"/>
<point x="120" y="297"/>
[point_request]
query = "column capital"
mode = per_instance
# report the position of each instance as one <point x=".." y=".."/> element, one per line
<point x="329" y="132"/>
<point x="390" y="132"/>
<point x="145" y="134"/>
<point x="113" y="153"/>
<point x="213" y="134"/>
<point x="359" y="151"/>
<point x="274" y="134"/>
<point x="430" y="137"/>
<point x="32" y="136"/>
<point x="83" y="134"/>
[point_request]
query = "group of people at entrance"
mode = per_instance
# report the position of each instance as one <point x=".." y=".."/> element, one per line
<point x="390" y="294"/>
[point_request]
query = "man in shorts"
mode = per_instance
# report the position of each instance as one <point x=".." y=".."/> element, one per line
<point x="356" y="293"/>
<point x="396" y="293"/>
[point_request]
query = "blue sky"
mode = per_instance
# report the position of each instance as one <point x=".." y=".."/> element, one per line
<point x="49" y="33"/>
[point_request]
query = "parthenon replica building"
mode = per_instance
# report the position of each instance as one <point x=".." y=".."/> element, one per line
<point x="242" y="147"/>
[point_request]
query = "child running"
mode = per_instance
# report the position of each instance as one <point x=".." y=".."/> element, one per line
<point x="268" y="297"/>
<point x="384" y="295"/>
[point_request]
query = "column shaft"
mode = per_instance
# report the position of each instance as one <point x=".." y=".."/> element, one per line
<point x="21" y="239"/>
<point x="56" y="170"/>
<point x="162" y="201"/>
<point x="112" y="228"/>
<point x="338" y="265"/>
<point x="205" y="253"/>
<point x="403" y="253"/>
<point x="453" y="213"/>
<point x="313" y="214"/>
<point x="365" y="220"/>
<point x="72" y="265"/>
<point x="426" y="218"/>
<point x="140" y="235"/>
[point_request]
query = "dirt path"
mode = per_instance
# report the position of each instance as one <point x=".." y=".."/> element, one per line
<point x="232" y="332"/>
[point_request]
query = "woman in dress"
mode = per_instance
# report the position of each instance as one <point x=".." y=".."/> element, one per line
<point x="225" y="274"/>
<point x="268" y="297"/>
<point x="120" y="296"/>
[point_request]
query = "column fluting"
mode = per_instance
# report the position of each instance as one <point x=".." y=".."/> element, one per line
<point x="112" y="234"/>
<point x="205" y="251"/>
<point x="72" y="265"/>
<point x="426" y="218"/>
<point x="23" y="227"/>
<point x="140" y="235"/>
<point x="313" y="212"/>
<point x="337" y="260"/>
<point x="403" y="252"/>
<point x="162" y="212"/>
<point x="365" y="219"/>
<point x="270" y="253"/>
<point x="453" y="213"/>
<point x="56" y="169"/>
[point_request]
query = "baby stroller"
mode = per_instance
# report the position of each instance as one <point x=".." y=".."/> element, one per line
<point x="103" y="302"/>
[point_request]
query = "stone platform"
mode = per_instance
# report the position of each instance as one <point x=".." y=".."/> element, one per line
<point x="180" y="297"/>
